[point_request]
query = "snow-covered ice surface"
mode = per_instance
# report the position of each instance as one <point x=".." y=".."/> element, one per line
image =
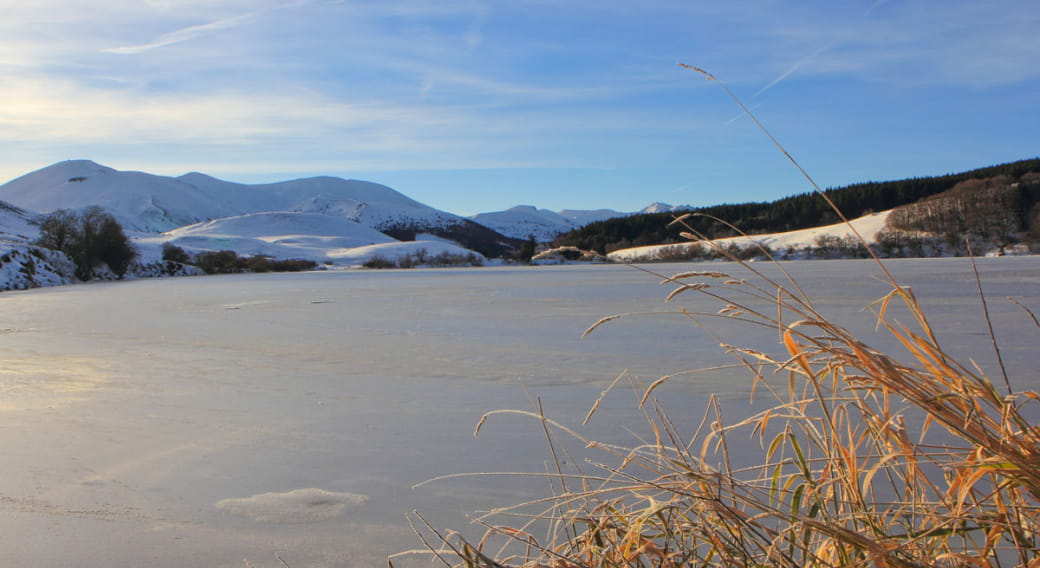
<point x="203" y="421"/>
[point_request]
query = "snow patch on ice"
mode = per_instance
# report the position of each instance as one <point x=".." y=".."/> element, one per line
<point x="396" y="251"/>
<point x="297" y="506"/>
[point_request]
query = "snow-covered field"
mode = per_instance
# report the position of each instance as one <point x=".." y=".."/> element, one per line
<point x="203" y="421"/>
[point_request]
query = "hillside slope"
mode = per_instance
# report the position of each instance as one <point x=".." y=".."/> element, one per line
<point x="801" y="243"/>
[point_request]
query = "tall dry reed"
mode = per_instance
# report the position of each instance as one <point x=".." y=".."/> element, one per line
<point x="868" y="458"/>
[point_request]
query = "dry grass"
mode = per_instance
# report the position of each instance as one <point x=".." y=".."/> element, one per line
<point x="867" y="458"/>
<point x="842" y="480"/>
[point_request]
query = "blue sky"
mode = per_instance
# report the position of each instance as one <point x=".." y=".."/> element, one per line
<point x="473" y="106"/>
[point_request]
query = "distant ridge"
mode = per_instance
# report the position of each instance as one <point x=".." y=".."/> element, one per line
<point x="525" y="221"/>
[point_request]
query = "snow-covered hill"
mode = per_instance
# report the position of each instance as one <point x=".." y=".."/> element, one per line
<point x="309" y="236"/>
<point x="17" y="225"/>
<point x="21" y="264"/>
<point x="151" y="203"/>
<point x="140" y="201"/>
<point x="867" y="226"/>
<point x="371" y="204"/>
<point x="146" y="203"/>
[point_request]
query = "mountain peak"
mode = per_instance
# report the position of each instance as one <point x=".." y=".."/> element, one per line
<point x="197" y="176"/>
<point x="657" y="207"/>
<point x="74" y="168"/>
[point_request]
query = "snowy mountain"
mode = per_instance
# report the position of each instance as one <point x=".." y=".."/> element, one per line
<point x="523" y="221"/>
<point x="140" y="201"/>
<point x="370" y="204"/>
<point x="153" y="204"/>
<point x="582" y="217"/>
<point x="658" y="207"/>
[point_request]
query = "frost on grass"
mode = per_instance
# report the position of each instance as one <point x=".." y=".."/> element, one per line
<point x="297" y="506"/>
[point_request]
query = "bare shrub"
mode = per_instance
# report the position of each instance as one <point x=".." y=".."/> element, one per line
<point x="91" y="238"/>
<point x="379" y="262"/>
<point x="174" y="253"/>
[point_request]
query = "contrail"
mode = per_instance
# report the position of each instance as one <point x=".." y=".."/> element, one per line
<point x="875" y="5"/>
<point x="790" y="70"/>
<point x="184" y="34"/>
<point x="800" y="62"/>
<point x="192" y="32"/>
<point x="741" y="115"/>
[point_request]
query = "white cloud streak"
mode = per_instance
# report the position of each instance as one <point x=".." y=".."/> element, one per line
<point x="192" y="32"/>
<point x="790" y="71"/>
<point x="742" y="114"/>
<point x="182" y="35"/>
<point x="877" y="4"/>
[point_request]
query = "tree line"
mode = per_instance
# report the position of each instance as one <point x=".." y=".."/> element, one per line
<point x="787" y="214"/>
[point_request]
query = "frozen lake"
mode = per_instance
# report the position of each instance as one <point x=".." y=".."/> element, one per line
<point x="203" y="421"/>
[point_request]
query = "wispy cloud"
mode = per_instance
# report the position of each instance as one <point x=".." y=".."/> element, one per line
<point x="40" y="110"/>
<point x="191" y="32"/>
<point x="475" y="34"/>
<point x="301" y="126"/>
